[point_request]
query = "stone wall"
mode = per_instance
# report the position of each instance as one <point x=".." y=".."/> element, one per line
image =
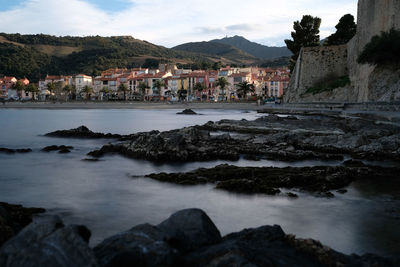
<point x="368" y="83"/>
<point x="315" y="65"/>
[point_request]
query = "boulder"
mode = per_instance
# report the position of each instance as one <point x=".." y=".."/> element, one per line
<point x="12" y="151"/>
<point x="48" y="242"/>
<point x="190" y="229"/>
<point x="187" y="112"/>
<point x="143" y="245"/>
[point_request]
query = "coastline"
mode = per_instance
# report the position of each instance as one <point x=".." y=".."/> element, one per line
<point x="128" y="105"/>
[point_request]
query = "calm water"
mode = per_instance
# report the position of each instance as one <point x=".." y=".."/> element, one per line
<point x="111" y="195"/>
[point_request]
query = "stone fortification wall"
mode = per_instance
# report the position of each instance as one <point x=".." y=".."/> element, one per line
<point x="368" y="83"/>
<point x="373" y="18"/>
<point x="315" y="65"/>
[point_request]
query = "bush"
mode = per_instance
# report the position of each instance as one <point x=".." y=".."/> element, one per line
<point x="328" y="85"/>
<point x="383" y="49"/>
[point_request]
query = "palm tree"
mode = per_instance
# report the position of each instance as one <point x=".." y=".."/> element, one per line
<point x="200" y="87"/>
<point x="68" y="89"/>
<point x="33" y="89"/>
<point x="158" y="84"/>
<point x="142" y="88"/>
<point x="244" y="88"/>
<point x="123" y="88"/>
<point x="222" y="83"/>
<point x="18" y="86"/>
<point x="87" y="90"/>
<point x="51" y="87"/>
<point x="105" y="91"/>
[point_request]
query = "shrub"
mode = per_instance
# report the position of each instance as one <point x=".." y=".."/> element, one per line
<point x="383" y="49"/>
<point x="328" y="85"/>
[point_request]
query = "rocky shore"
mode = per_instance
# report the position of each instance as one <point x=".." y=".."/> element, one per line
<point x="319" y="181"/>
<point x="186" y="238"/>
<point x="271" y="137"/>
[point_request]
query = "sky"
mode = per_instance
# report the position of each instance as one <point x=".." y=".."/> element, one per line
<point x="170" y="22"/>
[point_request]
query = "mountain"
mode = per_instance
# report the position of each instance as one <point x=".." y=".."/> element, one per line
<point x="34" y="56"/>
<point x="216" y="49"/>
<point x="254" y="49"/>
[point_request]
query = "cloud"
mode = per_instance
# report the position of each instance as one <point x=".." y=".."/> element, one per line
<point x="170" y="22"/>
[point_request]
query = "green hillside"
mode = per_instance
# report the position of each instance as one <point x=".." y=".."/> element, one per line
<point x="34" y="56"/>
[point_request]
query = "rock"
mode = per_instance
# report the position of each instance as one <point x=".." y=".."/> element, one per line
<point x="64" y="151"/>
<point x="48" y="242"/>
<point x="12" y="151"/>
<point x="187" y="112"/>
<point x="268" y="180"/>
<point x="263" y="246"/>
<point x="59" y="148"/>
<point x="342" y="191"/>
<point x="292" y="195"/>
<point x="13" y="218"/>
<point x="190" y="229"/>
<point x="82" y="132"/>
<point x="91" y="160"/>
<point x="143" y="245"/>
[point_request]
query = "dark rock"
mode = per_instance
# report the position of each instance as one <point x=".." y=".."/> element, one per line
<point x="59" y="148"/>
<point x="91" y="160"/>
<point x="342" y="191"/>
<point x="12" y="151"/>
<point x="82" y="132"/>
<point x="64" y="151"/>
<point x="353" y="163"/>
<point x="13" y="218"/>
<point x="187" y="112"/>
<point x="292" y="195"/>
<point x="143" y="245"/>
<point x="190" y="229"/>
<point x="48" y="242"/>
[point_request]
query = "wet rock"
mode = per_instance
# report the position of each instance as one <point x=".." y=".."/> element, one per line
<point x="91" y="160"/>
<point x="190" y="229"/>
<point x="268" y="180"/>
<point x="57" y="148"/>
<point x="64" y="151"/>
<point x="82" y="132"/>
<point x="13" y="218"/>
<point x="13" y="151"/>
<point x="143" y="245"/>
<point x="187" y="112"/>
<point x="342" y="191"/>
<point x="292" y="195"/>
<point x="48" y="242"/>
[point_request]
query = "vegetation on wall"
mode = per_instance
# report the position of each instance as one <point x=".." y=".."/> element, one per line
<point x="383" y="49"/>
<point x="328" y="85"/>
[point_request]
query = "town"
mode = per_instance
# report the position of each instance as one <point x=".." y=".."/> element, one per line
<point x="167" y="83"/>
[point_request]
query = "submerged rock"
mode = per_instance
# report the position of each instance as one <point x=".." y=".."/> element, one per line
<point x="13" y="151"/>
<point x="187" y="112"/>
<point x="82" y="132"/>
<point x="268" y="180"/>
<point x="59" y="148"/>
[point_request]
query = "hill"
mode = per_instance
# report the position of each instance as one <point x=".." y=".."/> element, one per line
<point x="254" y="49"/>
<point x="216" y="49"/>
<point x="34" y="56"/>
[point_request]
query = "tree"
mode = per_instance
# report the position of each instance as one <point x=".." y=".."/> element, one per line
<point x="199" y="87"/>
<point x="67" y="89"/>
<point x="123" y="88"/>
<point x="87" y="90"/>
<point x="158" y="84"/>
<point x="222" y="83"/>
<point x="105" y="91"/>
<point x="305" y="34"/>
<point x="345" y="30"/>
<point x="18" y="86"/>
<point x="32" y="88"/>
<point x="51" y="87"/>
<point x="244" y="88"/>
<point x="142" y="88"/>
